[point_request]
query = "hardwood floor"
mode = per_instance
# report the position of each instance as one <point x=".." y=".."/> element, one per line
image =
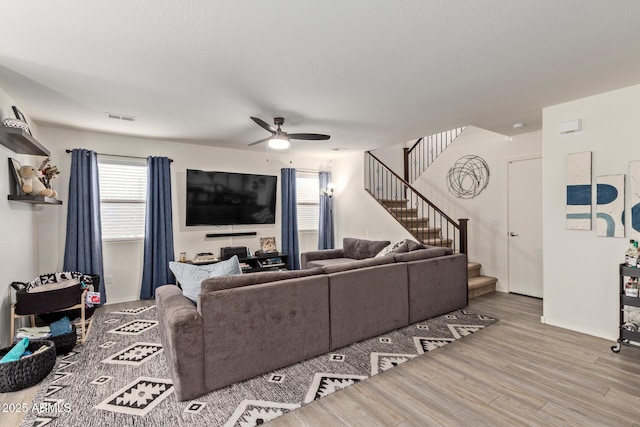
<point x="516" y="372"/>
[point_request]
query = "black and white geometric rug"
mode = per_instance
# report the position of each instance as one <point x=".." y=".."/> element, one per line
<point x="120" y="377"/>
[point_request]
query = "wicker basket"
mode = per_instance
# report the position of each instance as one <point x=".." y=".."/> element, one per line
<point x="27" y="371"/>
<point x="65" y="342"/>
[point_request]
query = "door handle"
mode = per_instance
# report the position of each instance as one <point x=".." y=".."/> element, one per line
<point x="512" y="234"/>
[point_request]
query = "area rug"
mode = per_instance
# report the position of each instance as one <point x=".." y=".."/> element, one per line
<point x="120" y="376"/>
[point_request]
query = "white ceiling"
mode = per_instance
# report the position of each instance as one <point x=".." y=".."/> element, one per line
<point x="370" y="73"/>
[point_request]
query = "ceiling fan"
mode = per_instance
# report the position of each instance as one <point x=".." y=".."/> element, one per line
<point x="279" y="139"/>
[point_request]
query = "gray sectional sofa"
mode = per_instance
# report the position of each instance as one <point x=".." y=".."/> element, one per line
<point x="250" y="324"/>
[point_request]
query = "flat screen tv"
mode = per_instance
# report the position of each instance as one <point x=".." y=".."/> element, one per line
<point x="225" y="198"/>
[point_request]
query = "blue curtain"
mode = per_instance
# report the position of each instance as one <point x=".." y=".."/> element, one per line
<point x="325" y="228"/>
<point x="83" y="245"/>
<point x="290" y="217"/>
<point x="158" y="234"/>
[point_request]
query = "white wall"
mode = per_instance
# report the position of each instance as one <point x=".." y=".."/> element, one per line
<point x="581" y="269"/>
<point x="18" y="255"/>
<point x="357" y="214"/>
<point x="487" y="212"/>
<point x="123" y="260"/>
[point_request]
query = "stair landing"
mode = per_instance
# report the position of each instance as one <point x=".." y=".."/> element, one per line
<point x="477" y="283"/>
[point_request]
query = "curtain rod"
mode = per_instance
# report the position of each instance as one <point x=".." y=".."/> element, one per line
<point x="118" y="155"/>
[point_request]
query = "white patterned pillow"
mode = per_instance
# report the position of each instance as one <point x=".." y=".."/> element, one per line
<point x="388" y="249"/>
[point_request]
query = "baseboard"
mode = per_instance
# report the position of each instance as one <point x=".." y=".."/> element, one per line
<point x="119" y="300"/>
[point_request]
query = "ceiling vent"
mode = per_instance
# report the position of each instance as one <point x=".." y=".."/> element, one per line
<point x="339" y="149"/>
<point x="124" y="117"/>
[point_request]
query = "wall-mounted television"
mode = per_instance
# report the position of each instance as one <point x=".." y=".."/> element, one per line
<point x="226" y="198"/>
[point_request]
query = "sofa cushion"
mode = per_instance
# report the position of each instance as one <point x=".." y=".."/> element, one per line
<point x="330" y="261"/>
<point x="272" y="276"/>
<point x="191" y="276"/>
<point x="228" y="282"/>
<point x="353" y="264"/>
<point x="427" y="253"/>
<point x="402" y="246"/>
<point x="249" y="332"/>
<point x="367" y="302"/>
<point x="362" y="248"/>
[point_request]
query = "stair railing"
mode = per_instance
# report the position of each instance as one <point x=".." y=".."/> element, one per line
<point x="411" y="209"/>
<point x="424" y="151"/>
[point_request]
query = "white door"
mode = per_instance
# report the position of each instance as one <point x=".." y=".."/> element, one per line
<point x="525" y="227"/>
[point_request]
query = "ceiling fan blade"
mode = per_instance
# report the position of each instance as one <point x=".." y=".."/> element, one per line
<point x="308" y="136"/>
<point x="261" y="141"/>
<point x="264" y="124"/>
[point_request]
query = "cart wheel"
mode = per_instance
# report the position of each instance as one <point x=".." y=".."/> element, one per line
<point x="616" y="348"/>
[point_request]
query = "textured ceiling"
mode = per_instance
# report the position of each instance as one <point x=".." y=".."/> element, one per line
<point x="370" y="73"/>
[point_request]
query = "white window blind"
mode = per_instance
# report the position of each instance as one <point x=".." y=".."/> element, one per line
<point x="308" y="200"/>
<point x="123" y="194"/>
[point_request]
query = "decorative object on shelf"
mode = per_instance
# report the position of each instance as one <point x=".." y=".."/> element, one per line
<point x="14" y="167"/>
<point x="31" y="183"/>
<point x="10" y="122"/>
<point x="468" y="176"/>
<point x="20" y="117"/>
<point x="610" y="206"/>
<point x="48" y="172"/>
<point x="579" y="191"/>
<point x="268" y="244"/>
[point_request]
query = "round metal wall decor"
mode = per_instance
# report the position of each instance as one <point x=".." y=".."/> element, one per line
<point x="468" y="177"/>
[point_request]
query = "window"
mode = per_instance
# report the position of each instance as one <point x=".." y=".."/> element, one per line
<point x="308" y="200"/>
<point x="123" y="194"/>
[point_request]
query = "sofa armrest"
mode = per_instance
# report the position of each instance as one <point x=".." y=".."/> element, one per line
<point x="181" y="333"/>
<point x="305" y="257"/>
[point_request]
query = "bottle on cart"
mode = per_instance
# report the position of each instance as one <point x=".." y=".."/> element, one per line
<point x="631" y="255"/>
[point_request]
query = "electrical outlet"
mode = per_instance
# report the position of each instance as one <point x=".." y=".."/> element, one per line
<point x="108" y="279"/>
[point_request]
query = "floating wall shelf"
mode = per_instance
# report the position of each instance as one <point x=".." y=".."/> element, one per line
<point x="21" y="142"/>
<point x="36" y="200"/>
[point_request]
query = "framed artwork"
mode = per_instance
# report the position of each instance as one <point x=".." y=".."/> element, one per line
<point x="268" y="244"/>
<point x="16" y="180"/>
<point x="634" y="200"/>
<point x="610" y="206"/>
<point x="21" y="116"/>
<point x="578" y="182"/>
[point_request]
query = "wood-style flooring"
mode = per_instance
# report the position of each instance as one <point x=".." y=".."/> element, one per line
<point x="515" y="372"/>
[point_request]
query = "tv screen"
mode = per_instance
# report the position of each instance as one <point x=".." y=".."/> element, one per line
<point x="224" y="198"/>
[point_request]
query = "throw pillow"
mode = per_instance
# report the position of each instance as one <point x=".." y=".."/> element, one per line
<point x="54" y="286"/>
<point x="224" y="268"/>
<point x="389" y="249"/>
<point x="191" y="276"/>
<point x="406" y="245"/>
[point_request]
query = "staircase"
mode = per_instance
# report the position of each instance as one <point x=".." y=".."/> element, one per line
<point x="478" y="284"/>
<point x="425" y="151"/>
<point x="418" y="226"/>
<point x="420" y="217"/>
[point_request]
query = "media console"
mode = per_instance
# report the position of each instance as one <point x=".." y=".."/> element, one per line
<point x="273" y="261"/>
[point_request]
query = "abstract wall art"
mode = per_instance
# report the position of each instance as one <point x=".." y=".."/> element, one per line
<point x="610" y="206"/>
<point x="634" y="200"/>
<point x="579" y="191"/>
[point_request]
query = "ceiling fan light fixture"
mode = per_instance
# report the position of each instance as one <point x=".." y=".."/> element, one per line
<point x="279" y="142"/>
